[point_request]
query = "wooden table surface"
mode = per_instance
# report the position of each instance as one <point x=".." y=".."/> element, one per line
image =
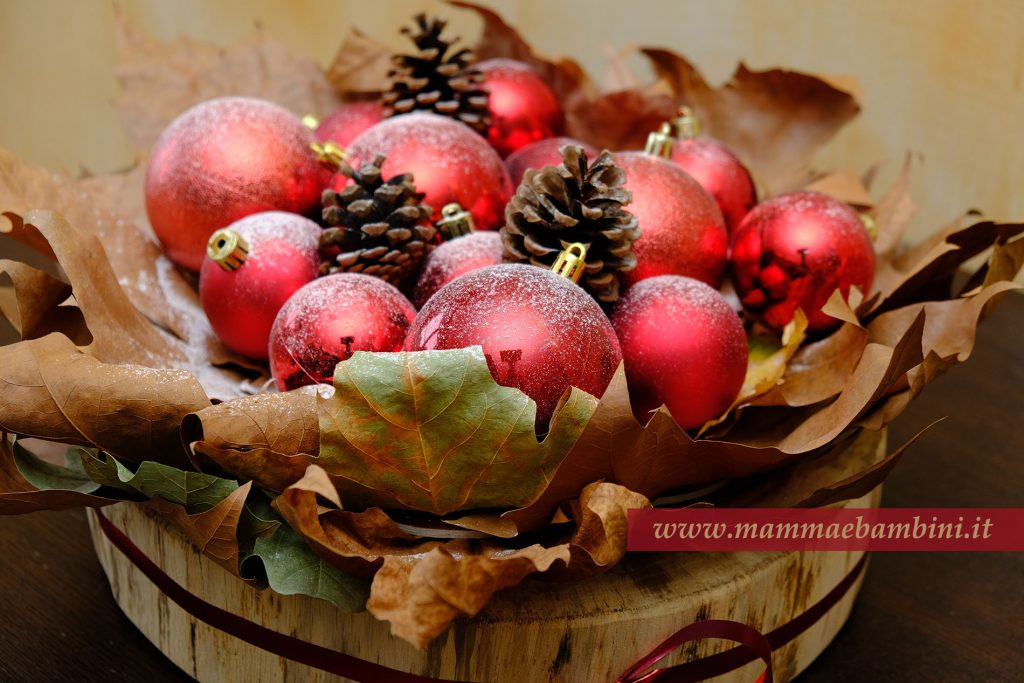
<point x="921" y="616"/>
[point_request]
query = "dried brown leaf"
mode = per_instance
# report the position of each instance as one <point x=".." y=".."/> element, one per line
<point x="215" y="531"/>
<point x="775" y="120"/>
<point x="845" y="186"/>
<point x="893" y="213"/>
<point x="39" y="311"/>
<point x="18" y="497"/>
<point x="159" y="80"/>
<point x="360" y="67"/>
<point x="52" y="390"/>
<point x="266" y="438"/>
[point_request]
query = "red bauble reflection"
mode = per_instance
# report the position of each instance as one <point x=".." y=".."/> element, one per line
<point x="523" y="107"/>
<point x="223" y="160"/>
<point x="455" y="258"/>
<point x="540" y="154"/>
<point x="328" y="320"/>
<point x="540" y="332"/>
<point x="720" y="173"/>
<point x="241" y="304"/>
<point x="448" y="160"/>
<point x="683" y="346"/>
<point x="682" y="230"/>
<point x="795" y="250"/>
<point x="345" y="123"/>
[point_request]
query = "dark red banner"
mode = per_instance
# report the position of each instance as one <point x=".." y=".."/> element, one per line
<point x="916" y="529"/>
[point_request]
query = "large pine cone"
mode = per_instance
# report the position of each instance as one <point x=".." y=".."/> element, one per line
<point x="435" y="81"/>
<point x="381" y="228"/>
<point x="574" y="202"/>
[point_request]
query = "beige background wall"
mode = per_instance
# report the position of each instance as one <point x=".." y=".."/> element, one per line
<point x="942" y="77"/>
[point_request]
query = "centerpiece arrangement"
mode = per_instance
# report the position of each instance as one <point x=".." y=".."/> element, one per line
<point x="440" y="341"/>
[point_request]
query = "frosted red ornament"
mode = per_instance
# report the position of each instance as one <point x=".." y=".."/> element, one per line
<point x="682" y="230"/>
<point x="683" y="346"/>
<point x="716" y="168"/>
<point x="523" y="107"/>
<point x="345" y="123"/>
<point x="331" y="318"/>
<point x="251" y="268"/>
<point x="225" y="159"/>
<point x="540" y="154"/>
<point x="540" y="332"/>
<point x="795" y="250"/>
<point x="455" y="258"/>
<point x="448" y="160"/>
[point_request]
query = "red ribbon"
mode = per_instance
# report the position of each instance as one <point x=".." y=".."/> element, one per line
<point x="753" y="644"/>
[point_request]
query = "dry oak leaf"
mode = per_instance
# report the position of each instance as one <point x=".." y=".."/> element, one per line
<point x="40" y="305"/>
<point x="215" y="531"/>
<point x="774" y="120"/>
<point x="52" y="390"/>
<point x="18" y="496"/>
<point x="159" y="80"/>
<point x="267" y="438"/>
<point x="432" y="431"/>
<point x="360" y="67"/>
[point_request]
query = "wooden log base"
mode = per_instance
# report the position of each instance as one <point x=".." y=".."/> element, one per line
<point x="539" y="631"/>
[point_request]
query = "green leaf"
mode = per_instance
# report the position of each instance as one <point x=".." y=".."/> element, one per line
<point x="48" y="477"/>
<point x="291" y="568"/>
<point x="433" y="431"/>
<point x="105" y="470"/>
<point x="196" y="491"/>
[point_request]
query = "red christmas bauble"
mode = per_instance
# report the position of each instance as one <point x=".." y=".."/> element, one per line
<point x="540" y="332"/>
<point x="523" y="107"/>
<point x="720" y="173"/>
<point x="684" y="347"/>
<point x="225" y="159"/>
<point x="328" y="320"/>
<point x="793" y="251"/>
<point x="278" y="256"/>
<point x="448" y="160"/>
<point x="540" y="154"/>
<point x="346" y="122"/>
<point x="457" y="257"/>
<point x="682" y="230"/>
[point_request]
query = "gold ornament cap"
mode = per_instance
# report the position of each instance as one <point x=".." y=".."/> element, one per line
<point x="659" y="142"/>
<point x="571" y="261"/>
<point x="455" y="222"/>
<point x="686" y="123"/>
<point x="227" y="249"/>
<point x="329" y="153"/>
<point x="869" y="224"/>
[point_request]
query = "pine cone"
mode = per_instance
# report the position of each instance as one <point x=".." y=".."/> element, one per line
<point x="574" y="202"/>
<point x="383" y="228"/>
<point x="435" y="81"/>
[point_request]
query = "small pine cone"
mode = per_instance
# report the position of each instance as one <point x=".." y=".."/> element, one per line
<point x="378" y="228"/>
<point x="436" y="81"/>
<point x="574" y="202"/>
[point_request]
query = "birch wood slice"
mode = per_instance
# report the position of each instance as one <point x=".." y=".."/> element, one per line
<point x="586" y="632"/>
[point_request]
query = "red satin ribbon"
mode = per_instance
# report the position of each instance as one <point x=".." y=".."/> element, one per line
<point x="753" y="644"/>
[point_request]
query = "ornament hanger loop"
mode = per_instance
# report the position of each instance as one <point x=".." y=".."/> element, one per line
<point x="571" y="261"/>
<point x="659" y="142"/>
<point x="455" y="222"/>
<point x="227" y="249"/>
<point x="329" y="153"/>
<point x="686" y="124"/>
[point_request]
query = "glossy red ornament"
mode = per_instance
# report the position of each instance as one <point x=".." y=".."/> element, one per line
<point x="682" y="230"/>
<point x="523" y="107"/>
<point x="720" y="173"/>
<point x="684" y="347"/>
<point x="449" y="162"/>
<point x="540" y="154"/>
<point x="795" y="250"/>
<point x="328" y="320"/>
<point x="225" y="159"/>
<point x="242" y="297"/>
<point x="346" y="122"/>
<point x="457" y="257"/>
<point x="540" y="332"/>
